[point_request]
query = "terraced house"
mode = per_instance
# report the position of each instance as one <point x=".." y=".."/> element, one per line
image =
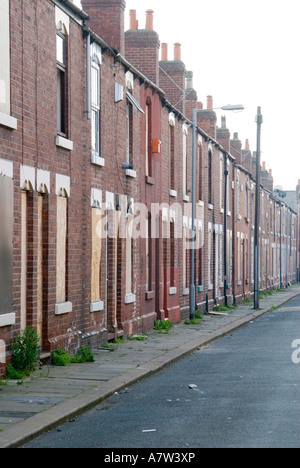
<point x="96" y="142"/>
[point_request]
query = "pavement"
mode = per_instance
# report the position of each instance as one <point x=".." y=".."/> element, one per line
<point x="54" y="395"/>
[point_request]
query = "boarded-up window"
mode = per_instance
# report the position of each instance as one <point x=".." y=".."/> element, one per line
<point x="61" y="250"/>
<point x="96" y="255"/>
<point x="6" y="237"/>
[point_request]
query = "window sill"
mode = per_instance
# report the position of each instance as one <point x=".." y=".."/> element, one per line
<point x="96" y="306"/>
<point x="210" y="206"/>
<point x="63" y="308"/>
<point x="130" y="298"/>
<point x="97" y="160"/>
<point x="186" y="198"/>
<point x="8" y="121"/>
<point x="172" y="290"/>
<point x="186" y="292"/>
<point x="130" y="173"/>
<point x="150" y="295"/>
<point x="7" y="319"/>
<point x="64" y="143"/>
<point x="149" y="180"/>
<point x="173" y="193"/>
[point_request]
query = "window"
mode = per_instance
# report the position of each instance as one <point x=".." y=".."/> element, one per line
<point x="221" y="182"/>
<point x="129" y="132"/>
<point x="6" y="243"/>
<point x="184" y="163"/>
<point x="172" y="156"/>
<point x="95" y="105"/>
<point x="148" y="139"/>
<point x="238" y="194"/>
<point x="129" y="266"/>
<point x="61" y="60"/>
<point x="5" y="118"/>
<point x="4" y="58"/>
<point x="247" y="201"/>
<point x="61" y="249"/>
<point x="149" y="255"/>
<point x="209" y="255"/>
<point x="209" y="177"/>
<point x="200" y="172"/>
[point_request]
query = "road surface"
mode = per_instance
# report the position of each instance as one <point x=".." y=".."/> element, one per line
<point x="240" y="391"/>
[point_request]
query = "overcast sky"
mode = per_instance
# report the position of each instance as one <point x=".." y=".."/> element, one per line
<point x="241" y="52"/>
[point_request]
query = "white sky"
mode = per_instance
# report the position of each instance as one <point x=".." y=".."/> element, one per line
<point x="241" y="52"/>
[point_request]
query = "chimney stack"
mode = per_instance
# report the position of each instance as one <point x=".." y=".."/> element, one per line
<point x="191" y="95"/>
<point x="247" y="146"/>
<point x="236" y="148"/>
<point x="107" y="20"/>
<point x="142" y="48"/>
<point x="172" y="77"/>
<point x="207" y="119"/>
<point x="223" y="135"/>
<point x="209" y="102"/>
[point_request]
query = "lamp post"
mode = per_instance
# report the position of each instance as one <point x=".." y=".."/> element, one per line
<point x="229" y="107"/>
<point x="259" y="120"/>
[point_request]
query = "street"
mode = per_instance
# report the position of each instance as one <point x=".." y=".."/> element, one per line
<point x="240" y="391"/>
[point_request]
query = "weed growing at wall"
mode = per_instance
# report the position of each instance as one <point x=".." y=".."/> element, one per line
<point x="25" y="353"/>
<point x="162" y="326"/>
<point x="61" y="358"/>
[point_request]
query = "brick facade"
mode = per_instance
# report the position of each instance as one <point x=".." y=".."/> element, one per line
<point x="79" y="287"/>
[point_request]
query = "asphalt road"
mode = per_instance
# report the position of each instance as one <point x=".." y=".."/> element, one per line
<point x="247" y="394"/>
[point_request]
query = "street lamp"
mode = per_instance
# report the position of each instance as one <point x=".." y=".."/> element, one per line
<point x="259" y="120"/>
<point x="229" y="107"/>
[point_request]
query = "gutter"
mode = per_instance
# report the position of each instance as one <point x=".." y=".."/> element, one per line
<point x="83" y="15"/>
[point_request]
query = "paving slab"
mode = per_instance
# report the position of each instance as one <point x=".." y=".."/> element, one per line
<point x="41" y="403"/>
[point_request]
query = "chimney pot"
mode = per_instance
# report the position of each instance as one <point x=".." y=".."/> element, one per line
<point x="149" y="19"/>
<point x="270" y="173"/>
<point x="177" y="51"/>
<point x="132" y="20"/>
<point x="164" y="51"/>
<point x="209" y="102"/>
<point x="199" y="105"/>
<point x="264" y="166"/>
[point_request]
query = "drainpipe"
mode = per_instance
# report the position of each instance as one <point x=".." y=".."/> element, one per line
<point x="88" y="76"/>
<point x="280" y="267"/>
<point x="225" y="231"/>
<point x="192" y="286"/>
<point x="287" y="249"/>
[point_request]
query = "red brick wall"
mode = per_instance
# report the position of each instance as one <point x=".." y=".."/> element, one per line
<point x="107" y="20"/>
<point x="142" y="49"/>
<point x="33" y="103"/>
<point x="172" y="81"/>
